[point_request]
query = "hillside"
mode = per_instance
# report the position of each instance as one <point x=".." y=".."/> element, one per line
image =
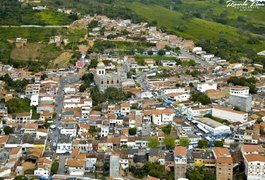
<point x="226" y="32"/>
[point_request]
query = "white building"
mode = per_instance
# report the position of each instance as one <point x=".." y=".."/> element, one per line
<point x="69" y="129"/>
<point x="164" y="116"/>
<point x="202" y="87"/>
<point x="212" y="126"/>
<point x="174" y="90"/>
<point x="239" y="90"/>
<point x="230" y="114"/>
<point x="179" y="97"/>
<point x="104" y="131"/>
<point x="34" y="100"/>
<point x="254" y="161"/>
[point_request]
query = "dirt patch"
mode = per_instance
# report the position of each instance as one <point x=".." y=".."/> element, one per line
<point x="32" y="51"/>
<point x="61" y="61"/>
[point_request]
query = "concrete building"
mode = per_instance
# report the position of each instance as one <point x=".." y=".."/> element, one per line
<point x="243" y="102"/>
<point x="180" y="161"/>
<point x="114" y="166"/>
<point x="202" y="87"/>
<point x="239" y="90"/>
<point x="212" y="126"/>
<point x="254" y="161"/>
<point x="105" y="80"/>
<point x="224" y="163"/>
<point x="230" y="114"/>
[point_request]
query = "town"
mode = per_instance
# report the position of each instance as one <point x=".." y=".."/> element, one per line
<point x="136" y="103"/>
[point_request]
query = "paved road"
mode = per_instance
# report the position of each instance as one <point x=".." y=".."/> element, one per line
<point x="141" y="79"/>
<point x="35" y="26"/>
<point x="186" y="54"/>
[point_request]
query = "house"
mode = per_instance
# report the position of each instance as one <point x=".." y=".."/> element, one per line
<point x="125" y="109"/>
<point x="180" y="161"/>
<point x="229" y="114"/>
<point x="64" y="145"/>
<point x="29" y="128"/>
<point x="164" y="116"/>
<point x="202" y="87"/>
<point x="178" y="97"/>
<point x="254" y="161"/>
<point x="43" y="167"/>
<point x="75" y="164"/>
<point x="224" y="163"/>
<point x="15" y="152"/>
<point x="168" y="63"/>
<point x="215" y="94"/>
<point x="23" y="117"/>
<point x="212" y="126"/>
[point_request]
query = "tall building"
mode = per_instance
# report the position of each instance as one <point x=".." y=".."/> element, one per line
<point x="254" y="161"/>
<point x="180" y="159"/>
<point x="243" y="102"/>
<point x="224" y="163"/>
<point x="104" y="80"/>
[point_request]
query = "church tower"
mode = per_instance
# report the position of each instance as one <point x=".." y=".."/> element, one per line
<point x="101" y="68"/>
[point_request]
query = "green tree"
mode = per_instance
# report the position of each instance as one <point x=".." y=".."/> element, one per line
<point x="218" y="144"/>
<point x="153" y="142"/>
<point x="8" y="130"/>
<point x="21" y="178"/>
<point x="161" y="52"/>
<point x="82" y="88"/>
<point x="18" y="105"/>
<point x="132" y="131"/>
<point x="184" y="142"/>
<point x="169" y="142"/>
<point x="167" y="129"/>
<point x="55" y="167"/>
<point x="203" y="143"/>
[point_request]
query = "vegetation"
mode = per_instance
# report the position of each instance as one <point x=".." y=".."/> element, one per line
<point x="111" y="94"/>
<point x="21" y="177"/>
<point x="18" y="105"/>
<point x="8" y="130"/>
<point x="14" y="13"/>
<point x="200" y="174"/>
<point x="87" y="78"/>
<point x="218" y="143"/>
<point x="18" y="85"/>
<point x="200" y="97"/>
<point x="169" y="142"/>
<point x="132" y="131"/>
<point x="55" y="167"/>
<point x="167" y="129"/>
<point x="184" y="142"/>
<point x="242" y="81"/>
<point x="223" y="121"/>
<point x="151" y="169"/>
<point x="203" y="143"/>
<point x="153" y="142"/>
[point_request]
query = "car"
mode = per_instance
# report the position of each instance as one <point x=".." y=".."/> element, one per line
<point x="52" y="126"/>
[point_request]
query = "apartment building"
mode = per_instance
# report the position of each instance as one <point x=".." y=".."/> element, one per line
<point x="180" y="159"/>
<point x="254" y="161"/>
<point x="224" y="163"/>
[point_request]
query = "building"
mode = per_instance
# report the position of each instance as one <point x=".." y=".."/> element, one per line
<point x="230" y="114"/>
<point x="114" y="166"/>
<point x="254" y="161"/>
<point x="105" y="80"/>
<point x="224" y="163"/>
<point x="180" y="159"/>
<point x="212" y="126"/>
<point x="243" y="102"/>
<point x="239" y="90"/>
<point x="202" y="87"/>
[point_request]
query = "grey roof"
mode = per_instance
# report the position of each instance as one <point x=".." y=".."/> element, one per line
<point x="169" y="156"/>
<point x="154" y="152"/>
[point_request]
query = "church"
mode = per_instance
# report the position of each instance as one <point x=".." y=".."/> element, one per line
<point x="104" y="79"/>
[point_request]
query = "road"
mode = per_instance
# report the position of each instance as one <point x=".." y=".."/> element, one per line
<point x="35" y="26"/>
<point x="54" y="133"/>
<point x="184" y="53"/>
<point x="141" y="79"/>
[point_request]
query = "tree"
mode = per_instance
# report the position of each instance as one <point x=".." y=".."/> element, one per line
<point x="218" y="144"/>
<point x="82" y="88"/>
<point x="55" y="167"/>
<point x="203" y="143"/>
<point x="132" y="131"/>
<point x="167" y="129"/>
<point x="8" y="130"/>
<point x="44" y="76"/>
<point x="200" y="97"/>
<point x="161" y="52"/>
<point x="21" y="178"/>
<point x="169" y="142"/>
<point x="184" y="142"/>
<point x="153" y="142"/>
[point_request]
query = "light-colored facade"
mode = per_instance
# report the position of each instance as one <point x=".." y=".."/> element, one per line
<point x="202" y="87"/>
<point x="230" y="114"/>
<point x="180" y="161"/>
